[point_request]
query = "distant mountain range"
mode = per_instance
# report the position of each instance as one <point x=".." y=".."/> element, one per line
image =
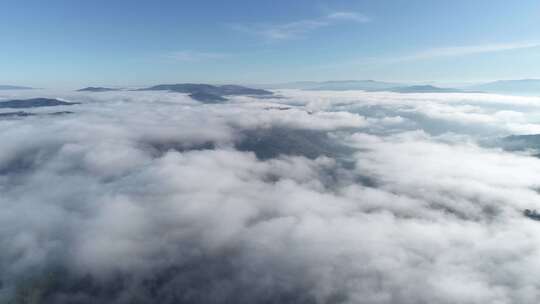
<point x="26" y="114"/>
<point x="217" y="93"/>
<point x="520" y="87"/>
<point x="340" y="85"/>
<point x="523" y="86"/>
<point x="33" y="103"/>
<point x="421" y="89"/>
<point x="364" y="85"/>
<point x="15" y="114"/>
<point x="97" y="89"/>
<point x="11" y="87"/>
<point x="207" y="93"/>
<point x="204" y="93"/>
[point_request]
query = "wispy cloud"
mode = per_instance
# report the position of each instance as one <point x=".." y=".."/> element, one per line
<point x="296" y="29"/>
<point x="455" y="51"/>
<point x="194" y="56"/>
<point x="351" y="16"/>
<point x="436" y="53"/>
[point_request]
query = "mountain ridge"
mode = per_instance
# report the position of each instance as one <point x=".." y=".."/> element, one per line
<point x="519" y="86"/>
<point x="97" y="89"/>
<point x="33" y="103"/>
<point x="207" y="93"/>
<point x="13" y="87"/>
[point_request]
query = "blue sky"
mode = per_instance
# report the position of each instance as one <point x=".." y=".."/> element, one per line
<point x="65" y="43"/>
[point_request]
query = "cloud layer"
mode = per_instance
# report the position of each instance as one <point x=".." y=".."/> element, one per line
<point x="145" y="197"/>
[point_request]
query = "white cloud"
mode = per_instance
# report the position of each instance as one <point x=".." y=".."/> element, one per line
<point x="300" y="28"/>
<point x="126" y="192"/>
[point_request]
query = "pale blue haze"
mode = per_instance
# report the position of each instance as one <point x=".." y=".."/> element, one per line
<point x="71" y="43"/>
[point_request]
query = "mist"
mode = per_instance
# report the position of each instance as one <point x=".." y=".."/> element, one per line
<point x="316" y="197"/>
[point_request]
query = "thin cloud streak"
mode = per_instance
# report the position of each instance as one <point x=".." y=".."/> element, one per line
<point x="297" y="29"/>
<point x="468" y="50"/>
<point x="348" y="16"/>
<point x="194" y="56"/>
<point x="436" y="53"/>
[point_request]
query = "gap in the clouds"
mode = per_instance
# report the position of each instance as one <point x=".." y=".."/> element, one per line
<point x="158" y="149"/>
<point x="28" y="160"/>
<point x="529" y="144"/>
<point x="269" y="143"/>
<point x="197" y="278"/>
<point x="265" y="143"/>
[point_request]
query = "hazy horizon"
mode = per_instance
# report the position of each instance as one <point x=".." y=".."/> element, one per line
<point x="266" y="85"/>
<point x="63" y="43"/>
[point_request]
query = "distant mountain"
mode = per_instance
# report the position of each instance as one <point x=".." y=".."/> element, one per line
<point x="207" y="93"/>
<point x="33" y="103"/>
<point x="26" y="114"/>
<point x="209" y="89"/>
<point x="15" y="114"/>
<point x="522" y="86"/>
<point x="364" y="85"/>
<point x="302" y="85"/>
<point x="421" y="89"/>
<point x="340" y="85"/>
<point x="240" y="90"/>
<point x="60" y="113"/>
<point x="10" y="87"/>
<point x="97" y="89"/>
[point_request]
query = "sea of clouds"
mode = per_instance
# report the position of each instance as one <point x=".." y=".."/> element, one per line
<point x="313" y="197"/>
